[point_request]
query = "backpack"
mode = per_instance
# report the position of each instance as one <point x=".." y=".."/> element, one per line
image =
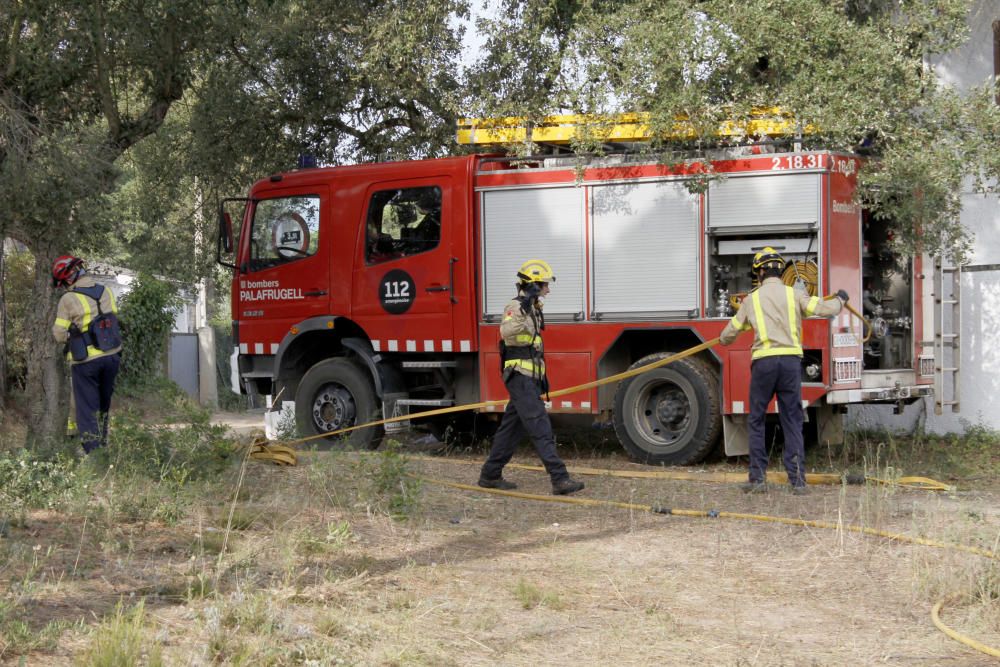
<point x="104" y="331"/>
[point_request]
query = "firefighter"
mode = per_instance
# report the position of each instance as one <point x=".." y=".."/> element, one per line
<point x="774" y="311"/>
<point x="425" y="231"/>
<point x="87" y="325"/>
<point x="523" y="367"/>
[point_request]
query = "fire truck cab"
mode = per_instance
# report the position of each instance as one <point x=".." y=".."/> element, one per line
<point x="377" y="289"/>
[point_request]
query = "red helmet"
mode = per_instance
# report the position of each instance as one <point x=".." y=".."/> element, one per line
<point x="64" y="270"/>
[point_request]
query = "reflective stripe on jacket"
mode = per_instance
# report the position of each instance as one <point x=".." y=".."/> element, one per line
<point x="79" y="309"/>
<point x="518" y="329"/>
<point x="775" y="311"/>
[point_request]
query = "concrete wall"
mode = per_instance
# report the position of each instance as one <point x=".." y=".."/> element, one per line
<point x="967" y="67"/>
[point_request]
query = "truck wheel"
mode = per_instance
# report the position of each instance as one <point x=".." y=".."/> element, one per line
<point x="671" y="414"/>
<point x="335" y="394"/>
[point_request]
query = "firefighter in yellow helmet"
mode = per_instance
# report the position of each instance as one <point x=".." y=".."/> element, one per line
<point x="523" y="367"/>
<point x="774" y="311"/>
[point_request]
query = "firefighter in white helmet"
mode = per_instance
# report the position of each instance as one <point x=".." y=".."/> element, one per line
<point x="523" y="367"/>
<point x="774" y="311"/>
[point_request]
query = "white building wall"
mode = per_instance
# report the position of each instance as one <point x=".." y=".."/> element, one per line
<point x="967" y="67"/>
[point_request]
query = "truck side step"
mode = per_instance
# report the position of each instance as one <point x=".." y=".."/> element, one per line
<point x="426" y="364"/>
<point x="427" y="402"/>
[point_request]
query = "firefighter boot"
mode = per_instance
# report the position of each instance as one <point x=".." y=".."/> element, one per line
<point x="499" y="483"/>
<point x="566" y="486"/>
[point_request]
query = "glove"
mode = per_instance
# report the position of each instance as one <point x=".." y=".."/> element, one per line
<point x="842" y="295"/>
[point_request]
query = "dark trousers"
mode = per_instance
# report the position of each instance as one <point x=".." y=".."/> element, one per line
<point x="525" y="414"/>
<point x="93" y="385"/>
<point x="781" y="376"/>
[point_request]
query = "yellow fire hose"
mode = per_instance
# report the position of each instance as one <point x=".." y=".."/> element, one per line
<point x="957" y="636"/>
<point x="918" y="483"/>
<point x="717" y="514"/>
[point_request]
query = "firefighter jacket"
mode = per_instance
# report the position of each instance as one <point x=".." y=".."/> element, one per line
<point x="78" y="309"/>
<point x="519" y="331"/>
<point x="775" y="311"/>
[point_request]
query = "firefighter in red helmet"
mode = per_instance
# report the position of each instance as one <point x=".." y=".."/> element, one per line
<point x="523" y="367"/>
<point x="774" y="311"/>
<point x="87" y="326"/>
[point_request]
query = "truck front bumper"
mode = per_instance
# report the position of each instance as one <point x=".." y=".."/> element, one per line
<point x="882" y="387"/>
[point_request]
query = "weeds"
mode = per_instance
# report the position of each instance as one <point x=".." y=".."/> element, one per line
<point x="971" y="454"/>
<point x="209" y="542"/>
<point x="120" y="640"/>
<point x="16" y="635"/>
<point x="286" y="428"/>
<point x="30" y="482"/>
<point x="310" y="545"/>
<point x="531" y="596"/>
<point x="390" y="488"/>
<point x="180" y="454"/>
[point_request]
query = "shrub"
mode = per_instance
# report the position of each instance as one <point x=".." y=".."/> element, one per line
<point x="178" y="453"/>
<point x="146" y="316"/>
<point x="28" y="481"/>
<point x="121" y="640"/>
<point x="390" y="487"/>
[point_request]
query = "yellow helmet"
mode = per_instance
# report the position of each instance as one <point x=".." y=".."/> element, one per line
<point x="535" y="271"/>
<point x="768" y="258"/>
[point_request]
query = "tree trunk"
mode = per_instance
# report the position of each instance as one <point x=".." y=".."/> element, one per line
<point x="3" y="327"/>
<point x="45" y="387"/>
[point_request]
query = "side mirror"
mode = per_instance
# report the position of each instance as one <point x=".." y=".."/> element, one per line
<point x="226" y="232"/>
<point x="229" y="231"/>
<point x="225" y="243"/>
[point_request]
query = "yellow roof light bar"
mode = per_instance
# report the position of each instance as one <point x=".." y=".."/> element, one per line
<point x="626" y="127"/>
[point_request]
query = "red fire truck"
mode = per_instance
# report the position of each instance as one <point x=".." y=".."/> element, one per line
<point x="377" y="289"/>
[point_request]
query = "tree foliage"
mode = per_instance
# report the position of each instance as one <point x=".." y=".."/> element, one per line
<point x="147" y="317"/>
<point x="81" y="82"/>
<point x="854" y="70"/>
<point x="121" y="122"/>
<point x="357" y="81"/>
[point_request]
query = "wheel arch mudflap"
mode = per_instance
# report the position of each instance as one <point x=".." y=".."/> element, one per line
<point x="736" y="435"/>
<point x="388" y="380"/>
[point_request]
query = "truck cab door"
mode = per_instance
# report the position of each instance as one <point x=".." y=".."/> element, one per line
<point x="405" y="277"/>
<point x="284" y="268"/>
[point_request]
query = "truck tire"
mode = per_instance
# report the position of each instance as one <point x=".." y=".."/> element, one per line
<point x="334" y="394"/>
<point x="671" y="414"/>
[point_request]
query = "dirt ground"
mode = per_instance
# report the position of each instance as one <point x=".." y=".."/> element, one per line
<point x="315" y="571"/>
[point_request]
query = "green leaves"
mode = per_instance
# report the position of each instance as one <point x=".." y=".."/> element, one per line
<point x="355" y="81"/>
<point x="146" y="316"/>
<point x="854" y="69"/>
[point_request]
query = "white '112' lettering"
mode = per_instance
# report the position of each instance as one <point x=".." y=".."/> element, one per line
<point x="396" y="289"/>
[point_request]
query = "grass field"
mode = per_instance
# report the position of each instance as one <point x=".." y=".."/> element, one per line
<point x="167" y="550"/>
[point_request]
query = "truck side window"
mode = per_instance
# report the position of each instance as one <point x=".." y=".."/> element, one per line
<point x="284" y="230"/>
<point x="402" y="222"/>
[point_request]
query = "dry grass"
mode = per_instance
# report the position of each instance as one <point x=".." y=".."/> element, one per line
<point x="317" y="571"/>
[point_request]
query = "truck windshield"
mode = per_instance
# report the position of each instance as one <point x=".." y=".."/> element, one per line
<point x="284" y="230"/>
